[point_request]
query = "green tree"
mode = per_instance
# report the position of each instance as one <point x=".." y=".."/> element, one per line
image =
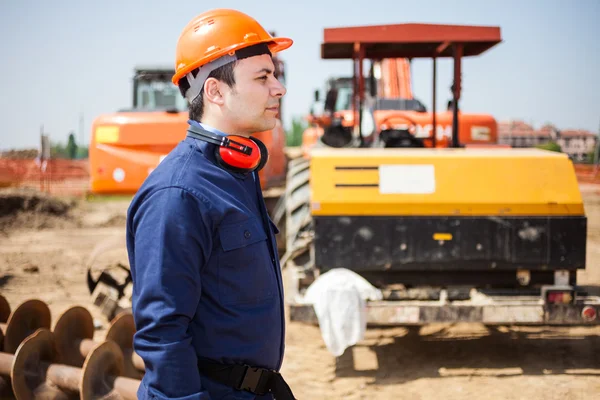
<point x="71" y="147"/>
<point x="551" y="145"/>
<point x="71" y="150"/>
<point x="294" y="136"/>
<point x="82" y="152"/>
<point x="58" y="150"/>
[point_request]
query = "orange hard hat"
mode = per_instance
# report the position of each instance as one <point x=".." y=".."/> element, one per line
<point x="217" y="33"/>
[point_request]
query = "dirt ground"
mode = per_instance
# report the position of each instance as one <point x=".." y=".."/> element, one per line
<point x="44" y="253"/>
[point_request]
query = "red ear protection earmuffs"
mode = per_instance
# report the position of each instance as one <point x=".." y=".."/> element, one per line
<point x="235" y="153"/>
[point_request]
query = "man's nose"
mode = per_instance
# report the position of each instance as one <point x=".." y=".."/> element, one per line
<point x="278" y="90"/>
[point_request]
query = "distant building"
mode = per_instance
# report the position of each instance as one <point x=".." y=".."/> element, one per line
<point x="576" y="143"/>
<point x="521" y="134"/>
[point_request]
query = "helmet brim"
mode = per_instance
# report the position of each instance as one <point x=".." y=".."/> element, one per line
<point x="276" y="45"/>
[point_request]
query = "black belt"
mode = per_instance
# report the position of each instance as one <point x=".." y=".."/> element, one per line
<point x="259" y="381"/>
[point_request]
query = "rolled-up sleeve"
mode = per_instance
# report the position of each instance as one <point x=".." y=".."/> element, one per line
<point x="169" y="241"/>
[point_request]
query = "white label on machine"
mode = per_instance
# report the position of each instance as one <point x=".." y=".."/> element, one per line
<point x="480" y="133"/>
<point x="561" y="277"/>
<point x="406" y="179"/>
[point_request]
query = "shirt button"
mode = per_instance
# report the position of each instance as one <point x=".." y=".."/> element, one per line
<point x="247" y="234"/>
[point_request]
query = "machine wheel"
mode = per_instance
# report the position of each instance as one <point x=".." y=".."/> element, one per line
<point x="298" y="223"/>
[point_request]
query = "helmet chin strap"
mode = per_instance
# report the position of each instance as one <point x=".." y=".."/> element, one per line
<point x="197" y="82"/>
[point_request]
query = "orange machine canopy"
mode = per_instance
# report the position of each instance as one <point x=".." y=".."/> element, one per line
<point x="409" y="41"/>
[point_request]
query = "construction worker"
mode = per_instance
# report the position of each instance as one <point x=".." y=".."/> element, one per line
<point x="207" y="285"/>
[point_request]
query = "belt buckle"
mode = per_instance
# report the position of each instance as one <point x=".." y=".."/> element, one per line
<point x="251" y="379"/>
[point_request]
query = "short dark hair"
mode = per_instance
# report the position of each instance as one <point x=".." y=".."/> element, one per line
<point x="223" y="74"/>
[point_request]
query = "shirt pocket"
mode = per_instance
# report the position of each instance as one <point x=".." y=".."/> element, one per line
<point x="245" y="269"/>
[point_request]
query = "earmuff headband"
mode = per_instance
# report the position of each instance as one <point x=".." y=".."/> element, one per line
<point x="218" y="140"/>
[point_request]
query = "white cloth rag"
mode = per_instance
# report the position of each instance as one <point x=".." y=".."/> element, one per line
<point x="339" y="298"/>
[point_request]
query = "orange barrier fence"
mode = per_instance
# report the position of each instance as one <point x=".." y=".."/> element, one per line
<point x="56" y="176"/>
<point x="587" y="173"/>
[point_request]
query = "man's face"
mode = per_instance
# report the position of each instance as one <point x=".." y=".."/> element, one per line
<point x="252" y="104"/>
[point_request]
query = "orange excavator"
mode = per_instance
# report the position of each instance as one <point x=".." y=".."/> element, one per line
<point x="391" y="116"/>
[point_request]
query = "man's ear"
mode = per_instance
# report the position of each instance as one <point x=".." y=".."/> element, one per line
<point x="212" y="91"/>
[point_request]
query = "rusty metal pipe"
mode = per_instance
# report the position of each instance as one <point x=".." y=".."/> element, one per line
<point x="4" y="309"/>
<point x="86" y="346"/>
<point x="16" y="326"/>
<point x="26" y="319"/>
<point x="74" y="331"/>
<point x="121" y="332"/>
<point x="5" y="363"/>
<point x="5" y="367"/>
<point x="72" y="334"/>
<point x="69" y="379"/>
<point x="30" y="372"/>
<point x="34" y="372"/>
<point x="138" y="362"/>
<point x="126" y="387"/>
<point x="103" y="375"/>
<point x="64" y="377"/>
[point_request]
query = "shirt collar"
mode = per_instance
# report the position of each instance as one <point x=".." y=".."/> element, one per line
<point x="206" y="127"/>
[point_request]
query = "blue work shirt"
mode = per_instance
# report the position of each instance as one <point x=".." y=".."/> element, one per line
<point x="206" y="275"/>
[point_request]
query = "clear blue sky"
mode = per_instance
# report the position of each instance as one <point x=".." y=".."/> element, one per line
<point x="63" y="58"/>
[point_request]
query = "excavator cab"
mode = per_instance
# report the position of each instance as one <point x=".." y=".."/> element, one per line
<point x="154" y="91"/>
